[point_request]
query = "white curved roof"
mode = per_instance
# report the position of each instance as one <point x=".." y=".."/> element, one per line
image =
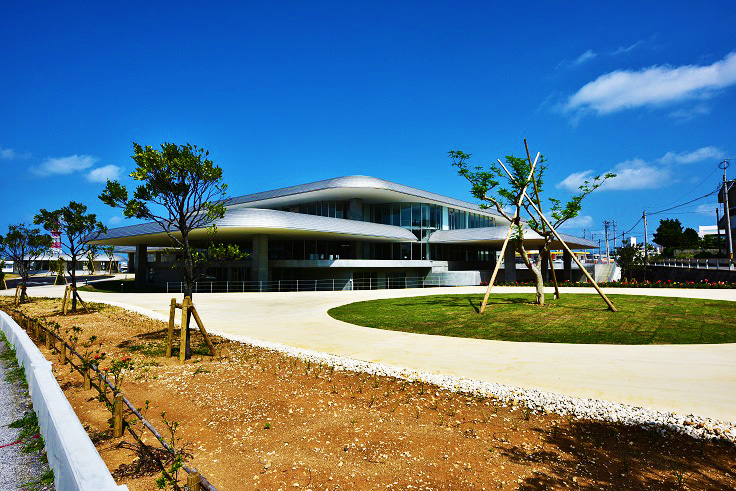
<point x="240" y="222"/>
<point x="498" y="235"/>
<point x="370" y="189"/>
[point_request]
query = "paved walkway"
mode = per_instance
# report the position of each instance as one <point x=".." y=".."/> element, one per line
<point x="699" y="379"/>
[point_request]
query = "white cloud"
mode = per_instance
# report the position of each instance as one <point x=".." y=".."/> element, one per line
<point x="685" y="114"/>
<point x="115" y="220"/>
<point x="587" y="56"/>
<point x="64" y="165"/>
<point x="702" y="153"/>
<point x="639" y="174"/>
<point x="10" y="154"/>
<point x="102" y="174"/>
<point x="708" y="209"/>
<point x="578" y="222"/>
<point x="653" y="86"/>
<point x="626" y="49"/>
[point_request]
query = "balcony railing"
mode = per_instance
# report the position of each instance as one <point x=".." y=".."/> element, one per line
<point x="715" y="263"/>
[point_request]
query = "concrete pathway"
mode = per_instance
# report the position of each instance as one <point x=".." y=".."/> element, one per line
<point x="699" y="379"/>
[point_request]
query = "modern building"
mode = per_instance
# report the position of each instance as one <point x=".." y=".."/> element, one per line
<point x="354" y="230"/>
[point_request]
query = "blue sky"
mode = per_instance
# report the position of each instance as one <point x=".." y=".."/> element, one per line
<point x="283" y="93"/>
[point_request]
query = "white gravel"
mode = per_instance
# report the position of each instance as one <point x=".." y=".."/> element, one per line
<point x="537" y="400"/>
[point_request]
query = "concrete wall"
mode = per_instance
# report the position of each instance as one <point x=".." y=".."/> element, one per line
<point x="71" y="454"/>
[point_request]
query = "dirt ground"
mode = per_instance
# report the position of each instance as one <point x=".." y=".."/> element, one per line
<point x="257" y="419"/>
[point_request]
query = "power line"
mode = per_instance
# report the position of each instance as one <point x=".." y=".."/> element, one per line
<point x="693" y="189"/>
<point x="683" y="204"/>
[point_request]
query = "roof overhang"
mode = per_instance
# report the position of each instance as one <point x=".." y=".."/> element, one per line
<point x="495" y="236"/>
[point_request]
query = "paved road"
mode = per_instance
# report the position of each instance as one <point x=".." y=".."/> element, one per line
<point x="699" y="379"/>
<point x="16" y="468"/>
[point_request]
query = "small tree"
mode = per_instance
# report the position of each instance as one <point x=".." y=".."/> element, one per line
<point x="77" y="229"/>
<point x="181" y="190"/>
<point x="24" y="246"/>
<point x="92" y="253"/>
<point x="690" y="239"/>
<point x="110" y="253"/>
<point x="510" y="195"/>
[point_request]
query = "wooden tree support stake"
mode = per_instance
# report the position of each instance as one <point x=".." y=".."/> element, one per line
<point x="186" y="306"/>
<point x="117" y="416"/>
<point x="47" y="335"/>
<point x="170" y="333"/>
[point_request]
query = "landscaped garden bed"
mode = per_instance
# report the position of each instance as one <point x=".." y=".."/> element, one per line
<point x="258" y="419"/>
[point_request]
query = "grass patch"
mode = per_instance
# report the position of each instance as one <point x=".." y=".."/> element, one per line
<point x="575" y="318"/>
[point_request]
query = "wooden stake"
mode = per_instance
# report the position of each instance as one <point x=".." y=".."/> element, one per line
<point x="170" y="334"/>
<point x="202" y="329"/>
<point x="62" y="353"/>
<point x="117" y="416"/>
<point x="184" y="326"/>
<point x="565" y="246"/>
<point x="47" y="333"/>
<point x="38" y="330"/>
<point x="554" y="277"/>
<point x="63" y="300"/>
<point x="193" y="480"/>
<point x="87" y="379"/>
<point x="506" y="241"/>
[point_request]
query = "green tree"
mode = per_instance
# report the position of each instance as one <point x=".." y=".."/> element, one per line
<point x="24" y="246"/>
<point x="668" y="235"/>
<point x="181" y="190"/>
<point x="110" y="253"/>
<point x="690" y="239"/>
<point x="92" y="253"/>
<point x="508" y="195"/>
<point x="77" y="229"/>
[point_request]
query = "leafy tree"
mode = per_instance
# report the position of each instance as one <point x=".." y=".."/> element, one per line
<point x="77" y="229"/>
<point x="24" y="246"/>
<point x="690" y="239"/>
<point x="181" y="190"/>
<point x="110" y="253"/>
<point x="508" y="193"/>
<point x="92" y="253"/>
<point x="668" y="235"/>
<point x="630" y="258"/>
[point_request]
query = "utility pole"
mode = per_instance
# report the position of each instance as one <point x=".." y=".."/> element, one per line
<point x="726" y="211"/>
<point x="718" y="231"/>
<point x="614" y="236"/>
<point x="606" y="224"/>
<point x="646" y="242"/>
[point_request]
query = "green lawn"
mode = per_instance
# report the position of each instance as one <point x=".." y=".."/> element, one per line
<point x="581" y="318"/>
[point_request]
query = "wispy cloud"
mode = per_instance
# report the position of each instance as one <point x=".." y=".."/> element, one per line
<point x="686" y="114"/>
<point x="708" y="209"/>
<point x="625" y="49"/>
<point x="580" y="60"/>
<point x="637" y="173"/>
<point x="10" y="154"/>
<point x="64" y="165"/>
<point x="115" y="220"/>
<point x="102" y="174"/>
<point x="653" y="86"/>
<point x="698" y="155"/>
<point x="578" y="222"/>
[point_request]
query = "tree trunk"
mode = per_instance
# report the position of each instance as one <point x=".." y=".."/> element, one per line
<point x="74" y="283"/>
<point x="536" y="269"/>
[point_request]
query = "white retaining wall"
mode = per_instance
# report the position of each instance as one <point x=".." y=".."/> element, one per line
<point x="74" y="459"/>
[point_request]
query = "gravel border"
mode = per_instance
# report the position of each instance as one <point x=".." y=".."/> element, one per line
<point x="537" y="400"/>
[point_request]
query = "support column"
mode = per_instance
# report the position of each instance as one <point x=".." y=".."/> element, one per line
<point x="567" y="266"/>
<point x="259" y="258"/>
<point x="131" y="262"/>
<point x="509" y="264"/>
<point x="141" y="264"/>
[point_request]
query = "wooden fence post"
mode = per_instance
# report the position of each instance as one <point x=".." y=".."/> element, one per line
<point x="117" y="416"/>
<point x="87" y="379"/>
<point x="170" y="334"/>
<point x="47" y="334"/>
<point x="193" y="480"/>
<point x="184" y="326"/>
<point x="38" y="331"/>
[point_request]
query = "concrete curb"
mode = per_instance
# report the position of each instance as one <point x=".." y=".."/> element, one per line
<point x="74" y="459"/>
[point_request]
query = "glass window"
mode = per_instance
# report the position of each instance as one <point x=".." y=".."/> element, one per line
<point x="396" y="214"/>
<point x="339" y="210"/>
<point x="425" y="216"/>
<point x="416" y="215"/>
<point x="405" y="215"/>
